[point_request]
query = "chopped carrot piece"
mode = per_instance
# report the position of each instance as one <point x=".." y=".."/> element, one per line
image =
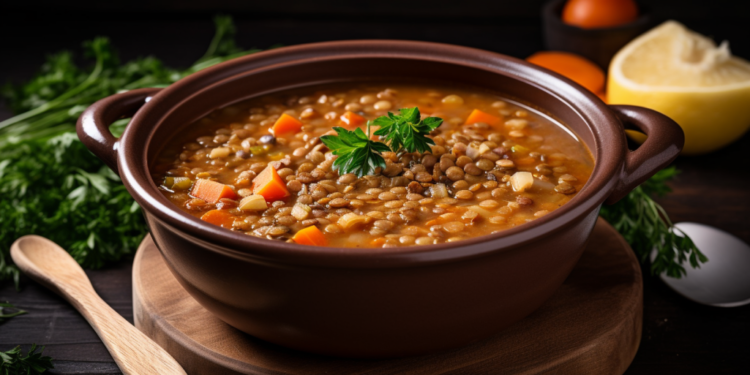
<point x="310" y="236"/>
<point x="577" y="68"/>
<point x="378" y="241"/>
<point x="479" y="116"/>
<point x="286" y="124"/>
<point x="212" y="191"/>
<point x="219" y="217"/>
<point x="270" y="185"/>
<point x="352" y="120"/>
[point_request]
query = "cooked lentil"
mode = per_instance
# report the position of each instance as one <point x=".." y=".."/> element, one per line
<point x="461" y="189"/>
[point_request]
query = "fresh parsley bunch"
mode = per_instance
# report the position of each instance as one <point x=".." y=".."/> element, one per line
<point x="51" y="102"/>
<point x="57" y="189"/>
<point x="358" y="154"/>
<point x="50" y="184"/>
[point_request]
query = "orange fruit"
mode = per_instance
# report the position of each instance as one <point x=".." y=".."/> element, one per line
<point x="577" y="68"/>
<point x="595" y="14"/>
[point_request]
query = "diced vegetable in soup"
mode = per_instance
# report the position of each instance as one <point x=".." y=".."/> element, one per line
<point x="373" y="165"/>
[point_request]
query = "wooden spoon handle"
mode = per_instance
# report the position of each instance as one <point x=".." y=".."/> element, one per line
<point x="51" y="266"/>
<point x="133" y="351"/>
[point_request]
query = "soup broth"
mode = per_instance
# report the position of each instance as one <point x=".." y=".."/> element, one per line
<point x="495" y="164"/>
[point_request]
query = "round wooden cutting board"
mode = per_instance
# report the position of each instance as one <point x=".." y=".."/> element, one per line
<point x="591" y="325"/>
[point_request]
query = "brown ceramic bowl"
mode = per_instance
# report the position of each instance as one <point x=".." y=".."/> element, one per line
<point x="374" y="302"/>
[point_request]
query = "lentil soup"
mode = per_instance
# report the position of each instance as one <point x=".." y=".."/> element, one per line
<point x="259" y="167"/>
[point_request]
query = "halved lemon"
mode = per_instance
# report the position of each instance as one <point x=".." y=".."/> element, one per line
<point x="685" y="76"/>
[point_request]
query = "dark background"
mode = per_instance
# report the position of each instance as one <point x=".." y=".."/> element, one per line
<point x="679" y="337"/>
<point x="177" y="31"/>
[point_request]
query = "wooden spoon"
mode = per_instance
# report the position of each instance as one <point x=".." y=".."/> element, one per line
<point x="51" y="266"/>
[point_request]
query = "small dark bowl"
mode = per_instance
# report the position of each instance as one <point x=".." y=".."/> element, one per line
<point x="597" y="45"/>
<point x="374" y="302"/>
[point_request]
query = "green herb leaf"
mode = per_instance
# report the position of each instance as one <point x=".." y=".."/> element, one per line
<point x="50" y="184"/>
<point x="51" y="102"/>
<point x="5" y="315"/>
<point x="646" y="226"/>
<point x="14" y="362"/>
<point x="407" y="131"/>
<point x="356" y="152"/>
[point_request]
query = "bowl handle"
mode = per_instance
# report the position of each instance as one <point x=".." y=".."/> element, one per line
<point x="664" y="143"/>
<point x="93" y="125"/>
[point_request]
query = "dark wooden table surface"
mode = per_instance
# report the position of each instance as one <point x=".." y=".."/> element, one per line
<point x="679" y="336"/>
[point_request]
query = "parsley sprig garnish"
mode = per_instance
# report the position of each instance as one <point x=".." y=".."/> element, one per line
<point x="359" y="155"/>
<point x="407" y="131"/>
<point x="356" y="152"/>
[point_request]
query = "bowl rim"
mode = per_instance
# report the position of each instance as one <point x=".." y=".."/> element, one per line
<point x="608" y="149"/>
